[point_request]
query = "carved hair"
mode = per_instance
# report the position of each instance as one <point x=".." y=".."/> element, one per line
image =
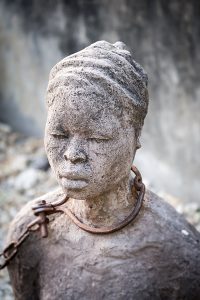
<point x="105" y="70"/>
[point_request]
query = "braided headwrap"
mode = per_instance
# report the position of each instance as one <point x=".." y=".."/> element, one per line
<point x="109" y="71"/>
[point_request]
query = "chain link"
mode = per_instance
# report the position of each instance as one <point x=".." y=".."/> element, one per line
<point x="11" y="250"/>
<point x="42" y="209"/>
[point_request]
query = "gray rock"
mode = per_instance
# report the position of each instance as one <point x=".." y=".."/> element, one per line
<point x="27" y="179"/>
<point x="5" y="128"/>
<point x="40" y="162"/>
<point x="13" y="165"/>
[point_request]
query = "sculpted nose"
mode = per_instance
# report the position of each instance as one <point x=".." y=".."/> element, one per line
<point x="75" y="154"/>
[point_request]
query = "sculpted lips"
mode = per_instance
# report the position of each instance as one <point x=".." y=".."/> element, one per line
<point x="73" y="180"/>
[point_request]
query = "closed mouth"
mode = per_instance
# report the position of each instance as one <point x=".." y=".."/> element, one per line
<point x="74" y="182"/>
<point x="73" y="176"/>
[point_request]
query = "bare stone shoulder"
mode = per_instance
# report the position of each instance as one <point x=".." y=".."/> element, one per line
<point x="165" y="216"/>
<point x="23" y="267"/>
<point x="156" y="214"/>
<point x="25" y="215"/>
<point x="159" y="233"/>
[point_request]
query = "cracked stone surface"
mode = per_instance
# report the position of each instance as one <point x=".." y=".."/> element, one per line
<point x="97" y="101"/>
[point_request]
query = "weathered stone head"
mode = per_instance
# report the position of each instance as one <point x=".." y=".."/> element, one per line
<point x="97" y="100"/>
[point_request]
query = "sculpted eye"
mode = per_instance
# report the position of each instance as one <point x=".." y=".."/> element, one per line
<point x="99" y="140"/>
<point x="96" y="140"/>
<point x="59" y="136"/>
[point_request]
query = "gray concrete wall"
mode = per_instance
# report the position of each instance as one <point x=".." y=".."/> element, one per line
<point x="164" y="37"/>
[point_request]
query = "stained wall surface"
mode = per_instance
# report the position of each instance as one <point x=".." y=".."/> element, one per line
<point x="164" y="37"/>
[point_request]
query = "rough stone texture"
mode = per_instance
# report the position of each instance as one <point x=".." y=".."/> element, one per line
<point x="11" y="200"/>
<point x="164" y="37"/>
<point x="17" y="154"/>
<point x="97" y="100"/>
<point x="91" y="139"/>
<point x="155" y="257"/>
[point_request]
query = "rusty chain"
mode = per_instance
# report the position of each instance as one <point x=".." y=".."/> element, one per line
<point x="11" y="250"/>
<point x="42" y="209"/>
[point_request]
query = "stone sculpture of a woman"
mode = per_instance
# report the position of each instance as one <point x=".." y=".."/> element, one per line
<point x="97" y="100"/>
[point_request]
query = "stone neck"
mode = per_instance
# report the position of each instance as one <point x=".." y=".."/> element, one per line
<point x="107" y="209"/>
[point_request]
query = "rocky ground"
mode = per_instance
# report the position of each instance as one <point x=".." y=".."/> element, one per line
<point x="25" y="174"/>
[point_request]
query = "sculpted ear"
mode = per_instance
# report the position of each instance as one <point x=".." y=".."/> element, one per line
<point x="137" y="136"/>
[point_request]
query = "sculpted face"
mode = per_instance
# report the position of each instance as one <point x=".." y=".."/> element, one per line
<point x="90" y="147"/>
